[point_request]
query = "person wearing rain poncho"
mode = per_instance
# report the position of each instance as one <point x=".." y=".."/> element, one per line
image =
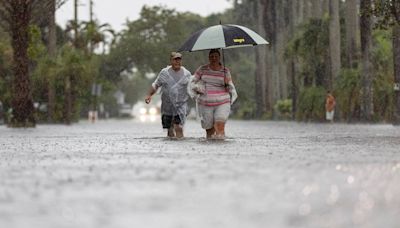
<point x="214" y="91"/>
<point x="173" y="81"/>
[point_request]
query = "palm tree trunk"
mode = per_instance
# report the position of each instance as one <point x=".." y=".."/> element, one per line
<point x="22" y="102"/>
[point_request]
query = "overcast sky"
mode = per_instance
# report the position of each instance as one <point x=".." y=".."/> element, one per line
<point x="116" y="12"/>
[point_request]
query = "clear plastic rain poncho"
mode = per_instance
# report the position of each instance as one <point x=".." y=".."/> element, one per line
<point x="174" y="95"/>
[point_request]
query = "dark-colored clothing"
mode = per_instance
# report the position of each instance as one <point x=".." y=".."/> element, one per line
<point x="168" y="120"/>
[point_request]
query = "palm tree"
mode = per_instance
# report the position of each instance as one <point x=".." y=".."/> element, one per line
<point x="18" y="14"/>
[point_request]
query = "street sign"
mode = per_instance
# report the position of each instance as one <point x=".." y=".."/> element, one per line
<point x="396" y="87"/>
<point x="96" y="89"/>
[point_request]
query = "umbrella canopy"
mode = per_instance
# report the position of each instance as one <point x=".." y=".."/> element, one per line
<point x="222" y="36"/>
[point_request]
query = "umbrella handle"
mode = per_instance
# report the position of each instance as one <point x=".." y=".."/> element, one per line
<point x="223" y="62"/>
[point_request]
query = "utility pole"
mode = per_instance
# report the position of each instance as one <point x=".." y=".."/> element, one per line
<point x="91" y="24"/>
<point x="76" y="2"/>
<point x="96" y="88"/>
<point x="91" y="10"/>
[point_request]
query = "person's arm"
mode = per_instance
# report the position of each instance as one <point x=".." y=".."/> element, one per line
<point x="150" y="93"/>
<point x="194" y="84"/>
<point x="153" y="88"/>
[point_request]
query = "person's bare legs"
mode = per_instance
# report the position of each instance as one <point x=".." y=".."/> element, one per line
<point x="171" y="132"/>
<point x="210" y="132"/>
<point x="178" y="130"/>
<point x="219" y="129"/>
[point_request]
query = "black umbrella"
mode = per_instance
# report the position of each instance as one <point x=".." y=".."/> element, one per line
<point x="222" y="36"/>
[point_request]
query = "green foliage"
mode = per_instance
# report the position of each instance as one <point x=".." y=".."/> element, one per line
<point x="309" y="46"/>
<point x="243" y="70"/>
<point x="347" y="89"/>
<point x="134" y="87"/>
<point x="36" y="47"/>
<point x="5" y="70"/>
<point x="383" y="81"/>
<point x="387" y="13"/>
<point x="72" y="64"/>
<point x="284" y="109"/>
<point x="76" y="67"/>
<point x="311" y="104"/>
<point x="147" y="42"/>
<point x="246" y="110"/>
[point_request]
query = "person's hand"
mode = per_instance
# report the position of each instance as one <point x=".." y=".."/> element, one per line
<point x="198" y="91"/>
<point x="147" y="99"/>
<point x="199" y="87"/>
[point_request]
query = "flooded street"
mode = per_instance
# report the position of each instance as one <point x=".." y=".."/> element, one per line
<point x="265" y="174"/>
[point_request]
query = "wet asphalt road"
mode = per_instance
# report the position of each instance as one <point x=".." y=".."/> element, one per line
<point x="265" y="174"/>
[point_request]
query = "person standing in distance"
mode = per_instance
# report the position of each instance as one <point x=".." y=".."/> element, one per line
<point x="330" y="104"/>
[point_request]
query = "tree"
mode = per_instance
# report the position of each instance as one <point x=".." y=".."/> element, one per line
<point x="18" y="14"/>
<point x="5" y="70"/>
<point x="146" y="42"/>
<point x="52" y="48"/>
<point x="351" y="33"/>
<point x="396" y="60"/>
<point x="388" y="14"/>
<point x="366" y="74"/>
<point x="334" y="40"/>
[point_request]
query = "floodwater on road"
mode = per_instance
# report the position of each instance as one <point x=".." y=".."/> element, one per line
<point x="125" y="173"/>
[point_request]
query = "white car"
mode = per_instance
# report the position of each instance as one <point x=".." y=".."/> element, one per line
<point x="125" y="110"/>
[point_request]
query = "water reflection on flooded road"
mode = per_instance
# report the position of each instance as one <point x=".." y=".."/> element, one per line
<point x="265" y="174"/>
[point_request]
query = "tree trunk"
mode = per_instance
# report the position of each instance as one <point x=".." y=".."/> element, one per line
<point x="293" y="65"/>
<point x="307" y="7"/>
<point x="334" y="40"/>
<point x="261" y="61"/>
<point x="283" y="24"/>
<point x="270" y="31"/>
<point x="22" y="102"/>
<point x="325" y="6"/>
<point x="366" y="75"/>
<point x="52" y="48"/>
<point x="317" y="8"/>
<point x="396" y="61"/>
<point x="76" y="42"/>
<point x="351" y="33"/>
<point x="300" y="10"/>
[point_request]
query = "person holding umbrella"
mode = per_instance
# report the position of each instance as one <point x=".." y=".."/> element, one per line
<point x="173" y="81"/>
<point x="217" y="97"/>
<point x="215" y="101"/>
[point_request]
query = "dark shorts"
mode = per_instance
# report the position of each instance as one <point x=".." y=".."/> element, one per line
<point x="168" y="120"/>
